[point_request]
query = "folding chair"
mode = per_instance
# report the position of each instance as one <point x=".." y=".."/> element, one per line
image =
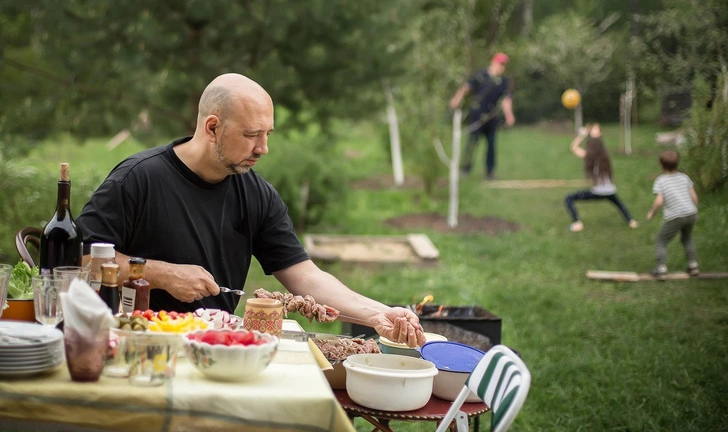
<point x="501" y="380"/>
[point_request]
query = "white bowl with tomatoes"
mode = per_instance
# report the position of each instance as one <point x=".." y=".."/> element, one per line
<point x="230" y="355"/>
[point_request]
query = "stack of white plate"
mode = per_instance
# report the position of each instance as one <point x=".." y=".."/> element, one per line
<point x="28" y="349"/>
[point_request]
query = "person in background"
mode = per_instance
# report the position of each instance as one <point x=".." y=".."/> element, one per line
<point x="198" y="212"/>
<point x="487" y="88"/>
<point x="598" y="169"/>
<point x="676" y="195"/>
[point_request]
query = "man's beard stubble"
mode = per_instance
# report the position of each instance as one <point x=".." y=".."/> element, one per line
<point x="230" y="166"/>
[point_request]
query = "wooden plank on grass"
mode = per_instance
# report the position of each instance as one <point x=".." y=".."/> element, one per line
<point x="636" y="277"/>
<point x="423" y="247"/>
<point x="534" y="184"/>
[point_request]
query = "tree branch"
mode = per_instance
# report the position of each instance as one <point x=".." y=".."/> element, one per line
<point x="441" y="152"/>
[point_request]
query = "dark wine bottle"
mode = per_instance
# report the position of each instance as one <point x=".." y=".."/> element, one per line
<point x="61" y="243"/>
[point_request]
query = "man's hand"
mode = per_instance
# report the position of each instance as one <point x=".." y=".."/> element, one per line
<point x="650" y="215"/>
<point x="188" y="283"/>
<point x="510" y="120"/>
<point x="400" y="325"/>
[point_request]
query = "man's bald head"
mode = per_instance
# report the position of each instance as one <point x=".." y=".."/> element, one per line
<point x="229" y="92"/>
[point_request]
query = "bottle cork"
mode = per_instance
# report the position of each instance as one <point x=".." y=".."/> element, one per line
<point x="64" y="171"/>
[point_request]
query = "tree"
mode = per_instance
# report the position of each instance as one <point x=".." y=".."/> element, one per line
<point x="108" y="61"/>
<point x="572" y="52"/>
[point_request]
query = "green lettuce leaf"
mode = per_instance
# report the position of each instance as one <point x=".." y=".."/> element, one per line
<point x="19" y="287"/>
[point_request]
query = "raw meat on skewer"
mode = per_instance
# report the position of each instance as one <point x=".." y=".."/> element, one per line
<point x="306" y="306"/>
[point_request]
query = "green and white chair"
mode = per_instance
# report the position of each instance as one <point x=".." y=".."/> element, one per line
<point x="501" y="380"/>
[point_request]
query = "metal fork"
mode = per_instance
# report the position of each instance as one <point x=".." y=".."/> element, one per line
<point x="226" y="289"/>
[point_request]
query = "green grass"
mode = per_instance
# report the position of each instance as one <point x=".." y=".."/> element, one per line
<point x="604" y="356"/>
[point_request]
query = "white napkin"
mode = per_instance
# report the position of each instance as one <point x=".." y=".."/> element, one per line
<point x="83" y="309"/>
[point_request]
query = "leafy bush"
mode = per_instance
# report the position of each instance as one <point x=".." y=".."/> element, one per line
<point x="28" y="195"/>
<point x="306" y="170"/>
<point x="707" y="139"/>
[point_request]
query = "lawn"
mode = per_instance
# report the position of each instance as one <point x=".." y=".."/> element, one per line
<point x="603" y="356"/>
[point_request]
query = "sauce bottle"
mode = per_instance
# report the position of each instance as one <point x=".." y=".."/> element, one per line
<point x="135" y="290"/>
<point x="109" y="289"/>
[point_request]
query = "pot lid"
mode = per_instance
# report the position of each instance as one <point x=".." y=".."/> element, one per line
<point x="451" y="356"/>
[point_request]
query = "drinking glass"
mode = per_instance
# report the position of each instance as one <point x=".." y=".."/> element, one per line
<point x="69" y="273"/>
<point x="151" y="360"/>
<point x="46" y="299"/>
<point x="85" y="354"/>
<point x="5" y="271"/>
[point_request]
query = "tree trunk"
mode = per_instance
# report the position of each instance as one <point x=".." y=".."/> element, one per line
<point x="396" y="148"/>
<point x="526" y="17"/>
<point x="452" y="214"/>
<point x="469" y="36"/>
<point x="629" y="95"/>
<point x="578" y="118"/>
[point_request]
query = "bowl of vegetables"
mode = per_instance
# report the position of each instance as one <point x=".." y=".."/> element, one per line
<point x="20" y="293"/>
<point x="230" y="355"/>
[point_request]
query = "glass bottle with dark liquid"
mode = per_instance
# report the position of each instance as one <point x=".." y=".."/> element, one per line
<point x="135" y="290"/>
<point x="109" y="289"/>
<point x="61" y="243"/>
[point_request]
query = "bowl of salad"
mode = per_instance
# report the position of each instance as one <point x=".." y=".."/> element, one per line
<point x="20" y="293"/>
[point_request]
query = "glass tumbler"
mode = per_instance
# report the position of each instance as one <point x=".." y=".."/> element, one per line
<point x="85" y="353"/>
<point x="69" y="273"/>
<point x="46" y="299"/>
<point x="151" y="360"/>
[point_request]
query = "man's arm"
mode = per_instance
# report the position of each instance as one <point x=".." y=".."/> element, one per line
<point x="655" y="206"/>
<point x="398" y="324"/>
<point x="184" y="282"/>
<point x="507" y="105"/>
<point x="459" y="95"/>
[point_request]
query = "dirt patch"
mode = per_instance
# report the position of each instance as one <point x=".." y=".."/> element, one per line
<point x="466" y="224"/>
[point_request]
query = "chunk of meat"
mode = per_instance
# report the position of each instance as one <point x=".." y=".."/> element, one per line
<point x="306" y="306"/>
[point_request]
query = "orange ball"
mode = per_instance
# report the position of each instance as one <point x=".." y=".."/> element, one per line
<point x="571" y="99"/>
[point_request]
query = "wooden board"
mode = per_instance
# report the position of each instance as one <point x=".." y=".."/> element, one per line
<point x="534" y="184"/>
<point x="411" y="248"/>
<point x="636" y="277"/>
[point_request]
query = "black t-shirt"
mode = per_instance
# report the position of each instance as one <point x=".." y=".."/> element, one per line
<point x="485" y="92"/>
<point x="153" y="206"/>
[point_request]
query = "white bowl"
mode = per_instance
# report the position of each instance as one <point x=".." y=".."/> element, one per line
<point x="447" y="386"/>
<point x="389" y="382"/>
<point x="233" y="362"/>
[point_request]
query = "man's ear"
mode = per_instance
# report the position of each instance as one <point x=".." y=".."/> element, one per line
<point x="212" y="126"/>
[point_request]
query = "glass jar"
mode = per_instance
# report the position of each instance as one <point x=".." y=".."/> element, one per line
<point x="101" y="253"/>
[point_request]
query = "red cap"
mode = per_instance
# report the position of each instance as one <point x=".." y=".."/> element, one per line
<point x="500" y="58"/>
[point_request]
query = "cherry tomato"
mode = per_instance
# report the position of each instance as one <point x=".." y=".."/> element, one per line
<point x="136" y="313"/>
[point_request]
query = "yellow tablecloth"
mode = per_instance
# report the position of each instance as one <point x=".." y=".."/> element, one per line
<point x="292" y="394"/>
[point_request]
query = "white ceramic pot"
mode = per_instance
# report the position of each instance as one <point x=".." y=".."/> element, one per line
<point x="389" y="382"/>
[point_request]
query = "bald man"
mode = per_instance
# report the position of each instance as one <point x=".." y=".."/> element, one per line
<point x="198" y="212"/>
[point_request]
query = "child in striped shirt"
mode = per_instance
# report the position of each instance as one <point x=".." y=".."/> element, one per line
<point x="679" y="202"/>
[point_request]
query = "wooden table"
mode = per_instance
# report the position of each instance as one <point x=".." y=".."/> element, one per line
<point x="434" y="411"/>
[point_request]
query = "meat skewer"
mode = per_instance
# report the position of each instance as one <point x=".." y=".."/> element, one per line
<point x="306" y="306"/>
